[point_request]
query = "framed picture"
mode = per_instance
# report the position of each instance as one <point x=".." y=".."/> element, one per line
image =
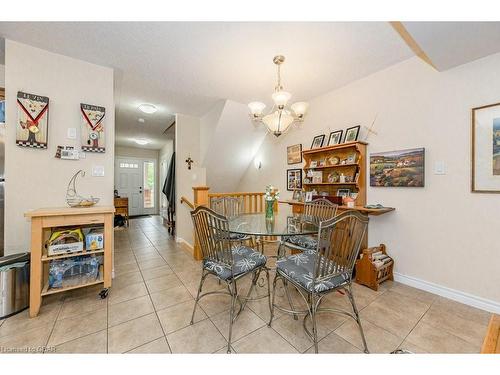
<point x="351" y="134"/>
<point x="485" y="176"/>
<point x="297" y="195"/>
<point x="293" y="179"/>
<point x="92" y="128"/>
<point x="404" y="168"/>
<point x="335" y="138"/>
<point x="343" y="192"/>
<point x="33" y="120"/>
<point x="294" y="154"/>
<point x="318" y="141"/>
<point x="309" y="196"/>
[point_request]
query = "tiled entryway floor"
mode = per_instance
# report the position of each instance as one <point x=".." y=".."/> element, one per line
<point x="150" y="304"/>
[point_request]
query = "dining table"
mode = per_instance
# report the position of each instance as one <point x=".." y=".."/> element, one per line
<point x="283" y="223"/>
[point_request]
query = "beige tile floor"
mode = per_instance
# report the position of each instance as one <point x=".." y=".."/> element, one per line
<point x="150" y="304"/>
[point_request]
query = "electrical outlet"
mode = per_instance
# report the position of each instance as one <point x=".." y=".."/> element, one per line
<point x="97" y="171"/>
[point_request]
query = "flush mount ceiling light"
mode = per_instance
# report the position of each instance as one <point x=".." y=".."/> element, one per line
<point x="148" y="108"/>
<point x="141" y="120"/>
<point x="280" y="117"/>
<point x="141" y="142"/>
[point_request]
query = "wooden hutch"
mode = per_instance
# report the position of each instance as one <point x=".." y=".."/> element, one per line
<point x="347" y="159"/>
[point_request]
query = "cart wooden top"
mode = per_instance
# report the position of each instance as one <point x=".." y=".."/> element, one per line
<point x="65" y="211"/>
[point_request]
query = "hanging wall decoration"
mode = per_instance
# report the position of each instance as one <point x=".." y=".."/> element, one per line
<point x="486" y="149"/>
<point x="92" y="128"/>
<point x="33" y="119"/>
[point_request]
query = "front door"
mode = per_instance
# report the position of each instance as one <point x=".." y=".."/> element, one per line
<point x="128" y="182"/>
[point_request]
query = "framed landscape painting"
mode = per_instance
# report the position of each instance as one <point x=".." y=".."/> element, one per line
<point x="404" y="168"/>
<point x="486" y="149"/>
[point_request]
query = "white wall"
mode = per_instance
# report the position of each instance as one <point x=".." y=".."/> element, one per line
<point x="441" y="234"/>
<point x="2" y="75"/>
<point x="230" y="141"/>
<point x="35" y="178"/>
<point x="187" y="143"/>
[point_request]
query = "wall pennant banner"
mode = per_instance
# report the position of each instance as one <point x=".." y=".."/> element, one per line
<point x="92" y="128"/>
<point x="33" y="120"/>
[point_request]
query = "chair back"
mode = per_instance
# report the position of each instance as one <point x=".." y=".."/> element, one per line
<point x="227" y="206"/>
<point x="339" y="242"/>
<point x="217" y="204"/>
<point x="212" y="232"/>
<point x="321" y="209"/>
<point x="233" y="206"/>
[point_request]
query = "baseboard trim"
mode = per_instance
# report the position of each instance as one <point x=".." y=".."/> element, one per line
<point x="453" y="294"/>
<point x="184" y="242"/>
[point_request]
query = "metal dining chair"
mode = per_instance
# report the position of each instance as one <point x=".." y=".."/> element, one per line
<point x="231" y="207"/>
<point x="320" y="209"/>
<point x="315" y="275"/>
<point x="227" y="261"/>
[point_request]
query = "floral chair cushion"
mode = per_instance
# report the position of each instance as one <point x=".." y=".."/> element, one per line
<point x="245" y="259"/>
<point x="300" y="267"/>
<point x="304" y="242"/>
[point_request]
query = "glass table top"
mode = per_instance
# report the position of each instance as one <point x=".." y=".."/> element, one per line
<point x="284" y="223"/>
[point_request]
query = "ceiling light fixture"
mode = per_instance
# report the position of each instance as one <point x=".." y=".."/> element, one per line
<point x="281" y="117"/>
<point x="141" y="142"/>
<point x="141" y="120"/>
<point x="148" y="108"/>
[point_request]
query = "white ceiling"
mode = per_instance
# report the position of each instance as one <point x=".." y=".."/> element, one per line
<point x="187" y="67"/>
<point x="449" y="44"/>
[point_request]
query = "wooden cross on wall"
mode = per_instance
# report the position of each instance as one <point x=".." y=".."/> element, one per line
<point x="369" y="130"/>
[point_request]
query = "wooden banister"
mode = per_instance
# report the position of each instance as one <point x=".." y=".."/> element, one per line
<point x="186" y="201"/>
<point x="491" y="344"/>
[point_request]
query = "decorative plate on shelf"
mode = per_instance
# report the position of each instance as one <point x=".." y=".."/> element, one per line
<point x="334" y="160"/>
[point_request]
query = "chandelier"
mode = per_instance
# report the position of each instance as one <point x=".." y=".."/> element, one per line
<point x="281" y="116"/>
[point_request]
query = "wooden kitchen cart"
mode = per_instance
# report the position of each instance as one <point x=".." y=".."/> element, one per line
<point x="42" y="221"/>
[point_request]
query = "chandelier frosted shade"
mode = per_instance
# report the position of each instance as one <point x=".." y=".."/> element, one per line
<point x="256" y="108"/>
<point x="281" y="116"/>
<point x="281" y="98"/>
<point x="300" y="108"/>
<point x="278" y="122"/>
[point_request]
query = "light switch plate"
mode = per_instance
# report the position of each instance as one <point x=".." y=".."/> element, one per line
<point x="439" y="167"/>
<point x="97" y="171"/>
<point x="71" y="133"/>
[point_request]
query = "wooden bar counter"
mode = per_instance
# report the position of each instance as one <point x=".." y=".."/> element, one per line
<point x="298" y="207"/>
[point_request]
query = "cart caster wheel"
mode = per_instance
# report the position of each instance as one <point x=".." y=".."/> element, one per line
<point x="104" y="293"/>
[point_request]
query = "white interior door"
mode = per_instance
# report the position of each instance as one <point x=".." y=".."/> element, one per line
<point x="136" y="179"/>
<point x="128" y="182"/>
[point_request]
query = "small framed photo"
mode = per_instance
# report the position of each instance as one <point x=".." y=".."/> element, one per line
<point x="343" y="192"/>
<point x="297" y="195"/>
<point x="351" y="158"/>
<point x="318" y="141"/>
<point x="335" y="138"/>
<point x="294" y="154"/>
<point x="309" y="196"/>
<point x="313" y="164"/>
<point x="293" y="179"/>
<point x="351" y="134"/>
